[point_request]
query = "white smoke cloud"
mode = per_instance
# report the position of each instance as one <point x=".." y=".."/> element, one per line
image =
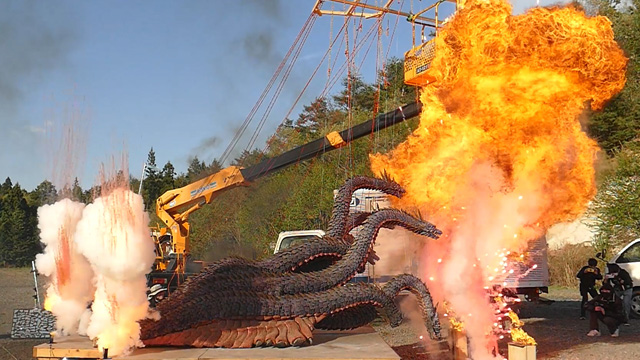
<point x="575" y="232"/>
<point x="98" y="254"/>
<point x="114" y="237"/>
<point x="71" y="289"/>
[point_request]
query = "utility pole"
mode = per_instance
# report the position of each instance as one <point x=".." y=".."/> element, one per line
<point x="144" y="167"/>
<point x="36" y="297"/>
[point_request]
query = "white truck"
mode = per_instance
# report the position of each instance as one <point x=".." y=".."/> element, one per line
<point x="629" y="259"/>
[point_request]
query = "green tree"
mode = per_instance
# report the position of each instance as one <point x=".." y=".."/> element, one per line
<point x="167" y="177"/>
<point x="77" y="193"/>
<point x="619" y="122"/>
<point x="214" y="167"/>
<point x="615" y="208"/>
<point x="316" y="118"/>
<point x="286" y="136"/>
<point x="356" y="95"/>
<point x="393" y="90"/>
<point x="134" y="183"/>
<point x="248" y="158"/>
<point x="152" y="183"/>
<point x="19" y="242"/>
<point x="6" y="186"/>
<point x="44" y="194"/>
<point x="196" y="169"/>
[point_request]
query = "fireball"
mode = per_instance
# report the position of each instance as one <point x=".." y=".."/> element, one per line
<point x="499" y="154"/>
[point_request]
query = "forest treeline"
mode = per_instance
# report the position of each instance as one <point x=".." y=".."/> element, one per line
<point x="246" y="220"/>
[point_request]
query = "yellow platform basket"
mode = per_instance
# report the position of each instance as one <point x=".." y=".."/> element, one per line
<point x="417" y="63"/>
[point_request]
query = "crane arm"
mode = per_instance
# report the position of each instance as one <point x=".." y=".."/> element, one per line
<point x="174" y="206"/>
<point x="332" y="141"/>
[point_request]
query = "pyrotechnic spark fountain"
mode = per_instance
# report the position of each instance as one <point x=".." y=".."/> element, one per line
<point x="70" y="288"/>
<point x="499" y="155"/>
<point x="98" y="254"/>
<point x="114" y="237"/>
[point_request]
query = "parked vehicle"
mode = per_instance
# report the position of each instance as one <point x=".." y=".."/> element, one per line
<point x="629" y="259"/>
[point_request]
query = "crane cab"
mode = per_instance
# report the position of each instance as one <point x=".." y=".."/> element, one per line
<point x="418" y="59"/>
<point x="417" y="63"/>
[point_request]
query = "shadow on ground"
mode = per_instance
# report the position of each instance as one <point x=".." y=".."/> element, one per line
<point x="561" y="334"/>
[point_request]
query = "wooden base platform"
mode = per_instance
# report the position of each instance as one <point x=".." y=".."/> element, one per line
<point x="363" y="343"/>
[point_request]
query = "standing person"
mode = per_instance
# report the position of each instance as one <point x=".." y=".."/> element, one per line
<point x="588" y="276"/>
<point x="623" y="287"/>
<point x="605" y="307"/>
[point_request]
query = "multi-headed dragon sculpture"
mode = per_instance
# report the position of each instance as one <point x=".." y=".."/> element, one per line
<point x="279" y="301"/>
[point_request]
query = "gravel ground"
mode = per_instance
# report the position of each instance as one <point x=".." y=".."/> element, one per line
<point x="16" y="291"/>
<point x="556" y="328"/>
<point x="561" y="335"/>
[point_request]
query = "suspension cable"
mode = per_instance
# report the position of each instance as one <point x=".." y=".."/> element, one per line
<point x="249" y="118"/>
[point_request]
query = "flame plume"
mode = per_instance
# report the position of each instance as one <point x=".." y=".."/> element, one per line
<point x="518" y="335"/>
<point x="499" y="154"/>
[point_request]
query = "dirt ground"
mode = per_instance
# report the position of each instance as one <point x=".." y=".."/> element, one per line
<point x="556" y="327"/>
<point x="16" y="291"/>
<point x="559" y="332"/>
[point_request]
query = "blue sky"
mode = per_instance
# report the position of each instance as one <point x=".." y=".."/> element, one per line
<point x="178" y="76"/>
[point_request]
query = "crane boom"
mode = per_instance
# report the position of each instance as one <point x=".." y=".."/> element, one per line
<point x="174" y="206"/>
<point x="331" y="141"/>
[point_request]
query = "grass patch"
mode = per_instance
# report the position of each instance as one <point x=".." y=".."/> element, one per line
<point x="565" y="262"/>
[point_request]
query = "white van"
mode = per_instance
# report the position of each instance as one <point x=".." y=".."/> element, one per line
<point x="629" y="259"/>
<point x="287" y="239"/>
<point x="362" y="200"/>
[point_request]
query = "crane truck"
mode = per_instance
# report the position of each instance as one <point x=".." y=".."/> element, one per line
<point x="173" y="264"/>
<point x="628" y="258"/>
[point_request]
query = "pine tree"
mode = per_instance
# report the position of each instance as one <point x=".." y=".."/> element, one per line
<point x="76" y="191"/>
<point x="152" y="183"/>
<point x="196" y="169"/>
<point x="6" y="186"/>
<point x="168" y="177"/>
<point x="18" y="231"/>
<point x="44" y="194"/>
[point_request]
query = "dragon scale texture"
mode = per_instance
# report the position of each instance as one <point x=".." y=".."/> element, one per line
<point x="279" y="301"/>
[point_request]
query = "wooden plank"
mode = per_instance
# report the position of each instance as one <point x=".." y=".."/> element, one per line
<point x="327" y="345"/>
<point x="363" y="343"/>
<point x="166" y="354"/>
<point x="67" y="346"/>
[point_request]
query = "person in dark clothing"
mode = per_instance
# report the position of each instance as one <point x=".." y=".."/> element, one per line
<point x="622" y="285"/>
<point x="607" y="308"/>
<point x="588" y="276"/>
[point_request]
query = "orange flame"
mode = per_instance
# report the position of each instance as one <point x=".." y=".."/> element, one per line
<point x="499" y="154"/>
<point x="518" y="335"/>
<point x="454" y="321"/>
<point x="509" y="92"/>
<point x="50" y="300"/>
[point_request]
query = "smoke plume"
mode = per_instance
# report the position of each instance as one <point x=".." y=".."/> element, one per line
<point x="114" y="237"/>
<point x="35" y="40"/>
<point x="71" y="288"/>
<point x="98" y="254"/>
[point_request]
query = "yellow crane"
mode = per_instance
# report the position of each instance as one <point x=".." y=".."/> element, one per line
<point x="174" y="206"/>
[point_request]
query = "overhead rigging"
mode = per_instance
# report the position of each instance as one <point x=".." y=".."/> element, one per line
<point x="175" y="206"/>
<point x="417" y="59"/>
